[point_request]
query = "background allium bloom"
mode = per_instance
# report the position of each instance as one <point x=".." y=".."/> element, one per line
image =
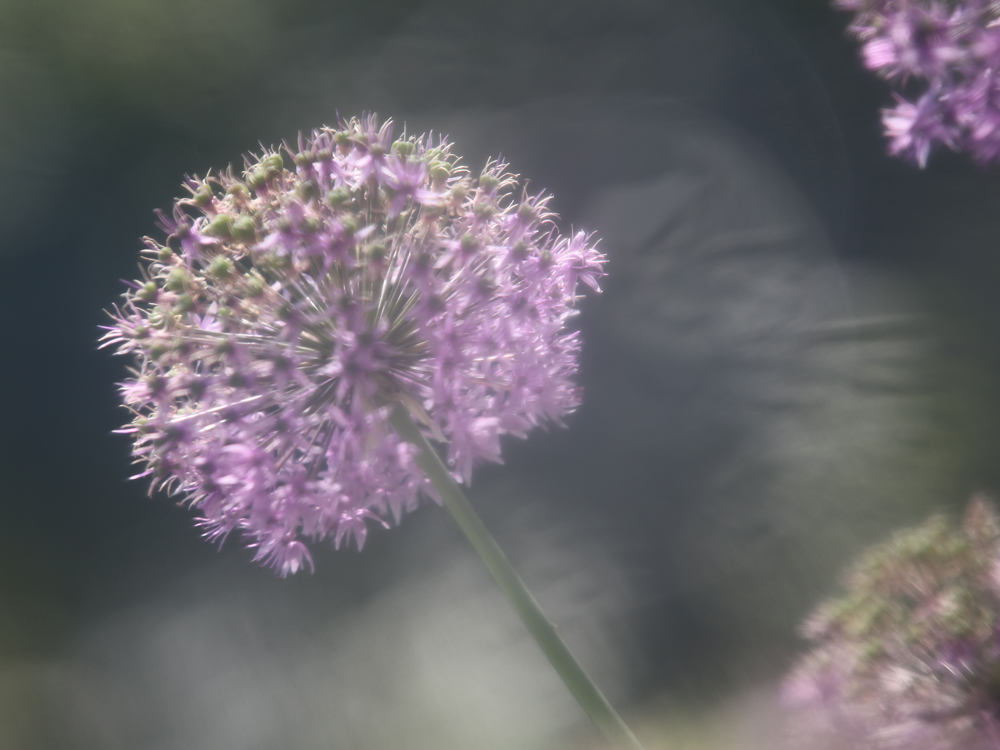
<point x="948" y="50"/>
<point x="910" y="657"/>
<point x="289" y="310"/>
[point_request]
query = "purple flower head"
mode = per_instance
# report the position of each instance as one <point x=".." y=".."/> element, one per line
<point x="291" y="309"/>
<point x="910" y="656"/>
<point x="950" y="51"/>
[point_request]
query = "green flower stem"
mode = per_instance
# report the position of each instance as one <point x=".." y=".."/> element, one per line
<point x="543" y="631"/>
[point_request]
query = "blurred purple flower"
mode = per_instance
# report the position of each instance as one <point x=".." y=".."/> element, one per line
<point x="951" y="50"/>
<point x="910" y="656"/>
<point x="289" y="311"/>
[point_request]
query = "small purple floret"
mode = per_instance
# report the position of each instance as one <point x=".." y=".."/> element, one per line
<point x="289" y="311"/>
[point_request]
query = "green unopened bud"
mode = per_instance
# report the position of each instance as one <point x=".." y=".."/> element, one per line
<point x="488" y="183"/>
<point x="244" y="230"/>
<point x="239" y="192"/>
<point x="486" y="286"/>
<point x="309" y="225"/>
<point x="225" y="312"/>
<point x="439" y="170"/>
<point x="404" y="148"/>
<point x="324" y="154"/>
<point x="165" y="255"/>
<point x="158" y="317"/>
<point x="220" y="267"/>
<point x="308" y="190"/>
<point x="469" y="244"/>
<point x="376" y="253"/>
<point x="526" y="214"/>
<point x="255" y="287"/>
<point x="273" y="262"/>
<point x="484" y="210"/>
<point x="274" y="161"/>
<point x="176" y="280"/>
<point x="202" y="196"/>
<point x="256" y="179"/>
<point x="338" y="197"/>
<point x="148" y="291"/>
<point x="304" y="158"/>
<point x="221" y="226"/>
<point x="184" y="304"/>
<point x="157" y="349"/>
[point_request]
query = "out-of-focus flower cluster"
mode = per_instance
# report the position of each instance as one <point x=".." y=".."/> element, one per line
<point x="945" y="54"/>
<point x="291" y="308"/>
<point x="910" y="656"/>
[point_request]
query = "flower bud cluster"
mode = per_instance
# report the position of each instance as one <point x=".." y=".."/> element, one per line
<point x="292" y="307"/>
<point x="952" y="48"/>
<point x="910" y="657"/>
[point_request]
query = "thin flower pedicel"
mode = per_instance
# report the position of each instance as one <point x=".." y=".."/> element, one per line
<point x="291" y="308"/>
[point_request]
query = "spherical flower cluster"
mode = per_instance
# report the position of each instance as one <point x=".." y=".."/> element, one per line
<point x="949" y="50"/>
<point x="910" y="657"/>
<point x="292" y="308"/>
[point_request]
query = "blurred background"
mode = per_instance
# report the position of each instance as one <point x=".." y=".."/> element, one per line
<point x="796" y="351"/>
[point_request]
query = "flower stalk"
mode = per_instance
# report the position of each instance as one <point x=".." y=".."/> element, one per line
<point x="542" y="630"/>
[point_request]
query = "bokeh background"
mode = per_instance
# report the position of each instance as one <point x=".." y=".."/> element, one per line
<point x="796" y="352"/>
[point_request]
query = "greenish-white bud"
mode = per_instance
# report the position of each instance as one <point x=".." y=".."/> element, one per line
<point x="221" y="267"/>
<point x="244" y="230"/>
<point x="176" y="280"/>
<point x="255" y="287"/>
<point x="221" y="226"/>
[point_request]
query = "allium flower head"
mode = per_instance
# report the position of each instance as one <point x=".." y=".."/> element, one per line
<point x="910" y="656"/>
<point x="292" y="307"/>
<point x="948" y="49"/>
